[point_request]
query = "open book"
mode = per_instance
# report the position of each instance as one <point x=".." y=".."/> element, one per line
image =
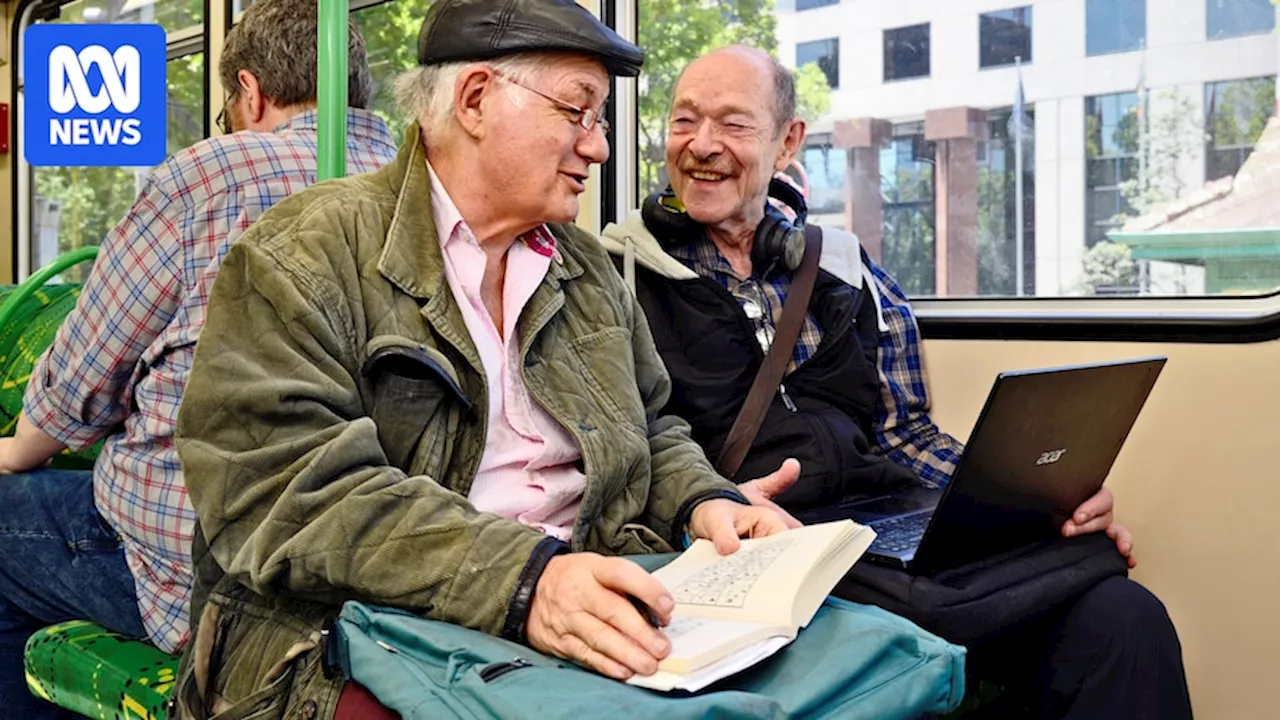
<point x="733" y="611"/>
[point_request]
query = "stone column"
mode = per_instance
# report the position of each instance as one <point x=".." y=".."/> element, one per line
<point x="862" y="138"/>
<point x="956" y="132"/>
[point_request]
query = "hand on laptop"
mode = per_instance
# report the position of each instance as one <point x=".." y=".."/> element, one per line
<point x="1098" y="513"/>
<point x="761" y="491"/>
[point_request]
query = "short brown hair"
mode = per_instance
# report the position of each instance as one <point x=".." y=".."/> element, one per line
<point x="276" y="41"/>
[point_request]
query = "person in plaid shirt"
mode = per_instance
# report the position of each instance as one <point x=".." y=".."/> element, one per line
<point x="853" y="407"/>
<point x="114" y="545"/>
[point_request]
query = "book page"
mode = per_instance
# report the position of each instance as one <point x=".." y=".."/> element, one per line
<point x="696" y="642"/>
<point x="758" y="583"/>
<point x="698" y="679"/>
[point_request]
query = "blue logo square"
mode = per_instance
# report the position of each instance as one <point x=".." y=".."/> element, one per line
<point x="94" y="95"/>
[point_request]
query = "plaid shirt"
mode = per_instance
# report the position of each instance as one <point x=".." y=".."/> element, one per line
<point x="902" y="428"/>
<point x="120" y="360"/>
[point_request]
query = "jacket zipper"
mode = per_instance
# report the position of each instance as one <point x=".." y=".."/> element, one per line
<point x="495" y="671"/>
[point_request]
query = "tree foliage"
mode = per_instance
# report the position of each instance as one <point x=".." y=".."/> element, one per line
<point x="673" y="33"/>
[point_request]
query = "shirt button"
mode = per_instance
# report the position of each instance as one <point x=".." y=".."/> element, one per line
<point x="309" y="709"/>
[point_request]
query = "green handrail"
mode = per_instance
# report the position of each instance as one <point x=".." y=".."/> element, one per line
<point x="332" y="115"/>
<point x="38" y="279"/>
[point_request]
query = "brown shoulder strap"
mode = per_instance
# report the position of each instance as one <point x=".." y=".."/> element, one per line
<point x="768" y="379"/>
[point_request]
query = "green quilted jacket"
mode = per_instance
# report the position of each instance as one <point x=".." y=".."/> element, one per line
<point x="335" y="417"/>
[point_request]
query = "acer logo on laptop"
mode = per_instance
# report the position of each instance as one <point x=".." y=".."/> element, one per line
<point x="1048" y="458"/>
<point x="95" y="95"/>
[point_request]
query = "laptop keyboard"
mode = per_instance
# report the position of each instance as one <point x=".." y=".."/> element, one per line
<point x="900" y="534"/>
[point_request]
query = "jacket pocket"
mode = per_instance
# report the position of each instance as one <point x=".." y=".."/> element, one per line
<point x="609" y="368"/>
<point x="639" y="539"/>
<point x="413" y="387"/>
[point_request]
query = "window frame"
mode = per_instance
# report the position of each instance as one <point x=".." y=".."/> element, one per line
<point x="835" y="54"/>
<point x="1142" y="42"/>
<point x="1244" y="33"/>
<point x="179" y="43"/>
<point x="1237" y="318"/>
<point x="1030" y="37"/>
<point x="1193" y="319"/>
<point x="884" y="52"/>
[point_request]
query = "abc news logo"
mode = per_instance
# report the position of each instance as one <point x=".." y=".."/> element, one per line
<point x="95" y="95"/>
<point x="69" y="89"/>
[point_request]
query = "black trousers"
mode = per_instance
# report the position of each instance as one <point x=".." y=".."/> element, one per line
<point x="1113" y="653"/>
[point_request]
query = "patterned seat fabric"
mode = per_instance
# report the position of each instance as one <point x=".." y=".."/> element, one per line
<point x="85" y="668"/>
<point x="30" y="330"/>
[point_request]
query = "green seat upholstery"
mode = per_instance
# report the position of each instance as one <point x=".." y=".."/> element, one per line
<point x="30" y="315"/>
<point x="85" y="668"/>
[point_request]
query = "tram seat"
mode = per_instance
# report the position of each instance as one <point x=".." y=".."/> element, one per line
<point x="87" y="669"/>
<point x="77" y="665"/>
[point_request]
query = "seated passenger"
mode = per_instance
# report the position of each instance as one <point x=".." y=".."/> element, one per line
<point x="853" y="408"/>
<point x="114" y="545"/>
<point x="426" y="388"/>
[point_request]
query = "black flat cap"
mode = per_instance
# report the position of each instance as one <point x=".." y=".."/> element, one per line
<point x="458" y="30"/>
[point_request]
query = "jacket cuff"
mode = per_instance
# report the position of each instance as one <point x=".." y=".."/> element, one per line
<point x="518" y="610"/>
<point x="680" y="536"/>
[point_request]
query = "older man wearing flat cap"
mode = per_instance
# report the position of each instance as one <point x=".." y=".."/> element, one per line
<point x="425" y="388"/>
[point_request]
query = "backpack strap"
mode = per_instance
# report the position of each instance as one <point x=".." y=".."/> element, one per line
<point x="769" y="377"/>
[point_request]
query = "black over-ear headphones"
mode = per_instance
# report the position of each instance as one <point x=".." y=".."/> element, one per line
<point x="777" y="238"/>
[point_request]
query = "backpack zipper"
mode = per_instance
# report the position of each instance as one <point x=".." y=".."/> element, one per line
<point x="497" y="670"/>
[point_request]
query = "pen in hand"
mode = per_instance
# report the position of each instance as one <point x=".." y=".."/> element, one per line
<point x="644" y="611"/>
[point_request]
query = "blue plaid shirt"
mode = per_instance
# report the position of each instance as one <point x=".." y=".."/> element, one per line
<point x="902" y="427"/>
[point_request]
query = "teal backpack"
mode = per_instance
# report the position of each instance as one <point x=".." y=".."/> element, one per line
<point x="852" y="661"/>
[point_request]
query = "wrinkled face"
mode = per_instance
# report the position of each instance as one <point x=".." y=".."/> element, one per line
<point x="723" y="144"/>
<point x="536" y="150"/>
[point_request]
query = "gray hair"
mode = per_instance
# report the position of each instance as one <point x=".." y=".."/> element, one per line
<point x="784" y="95"/>
<point x="426" y="92"/>
<point x="276" y="41"/>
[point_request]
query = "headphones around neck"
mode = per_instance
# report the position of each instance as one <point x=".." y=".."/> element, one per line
<point x="777" y="238"/>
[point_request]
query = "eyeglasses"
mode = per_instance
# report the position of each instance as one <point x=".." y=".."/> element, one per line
<point x="224" y="123"/>
<point x="588" y="119"/>
<point x="755" y="304"/>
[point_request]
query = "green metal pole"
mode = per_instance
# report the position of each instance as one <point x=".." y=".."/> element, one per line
<point x="332" y="114"/>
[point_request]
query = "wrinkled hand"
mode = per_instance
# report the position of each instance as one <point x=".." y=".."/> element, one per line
<point x="761" y="491"/>
<point x="1098" y="513"/>
<point x="724" y="521"/>
<point x="580" y="612"/>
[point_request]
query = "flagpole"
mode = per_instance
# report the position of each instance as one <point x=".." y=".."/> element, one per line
<point x="1017" y="179"/>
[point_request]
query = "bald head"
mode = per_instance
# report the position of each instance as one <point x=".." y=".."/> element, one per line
<point x="749" y="65"/>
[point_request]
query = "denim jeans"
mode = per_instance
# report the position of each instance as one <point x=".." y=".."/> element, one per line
<point x="59" y="560"/>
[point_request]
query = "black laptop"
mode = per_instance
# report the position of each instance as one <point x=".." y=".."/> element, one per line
<point x="1044" y="443"/>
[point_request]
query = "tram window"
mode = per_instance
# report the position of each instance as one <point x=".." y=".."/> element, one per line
<point x="390" y="31"/>
<point x="72" y="207"/>
<point x="1118" y="150"/>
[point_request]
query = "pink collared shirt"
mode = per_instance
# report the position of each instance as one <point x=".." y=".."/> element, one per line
<point x="528" y="471"/>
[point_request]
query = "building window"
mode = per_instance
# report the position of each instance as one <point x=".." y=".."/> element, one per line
<point x="824" y="167"/>
<point x="907" y="195"/>
<point x="1111" y="152"/>
<point x="1231" y="18"/>
<point x="824" y="52"/>
<point x="1115" y="25"/>
<point x="906" y="52"/>
<point x="1236" y="111"/>
<point x="1004" y="36"/>
<point x="810" y="4"/>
